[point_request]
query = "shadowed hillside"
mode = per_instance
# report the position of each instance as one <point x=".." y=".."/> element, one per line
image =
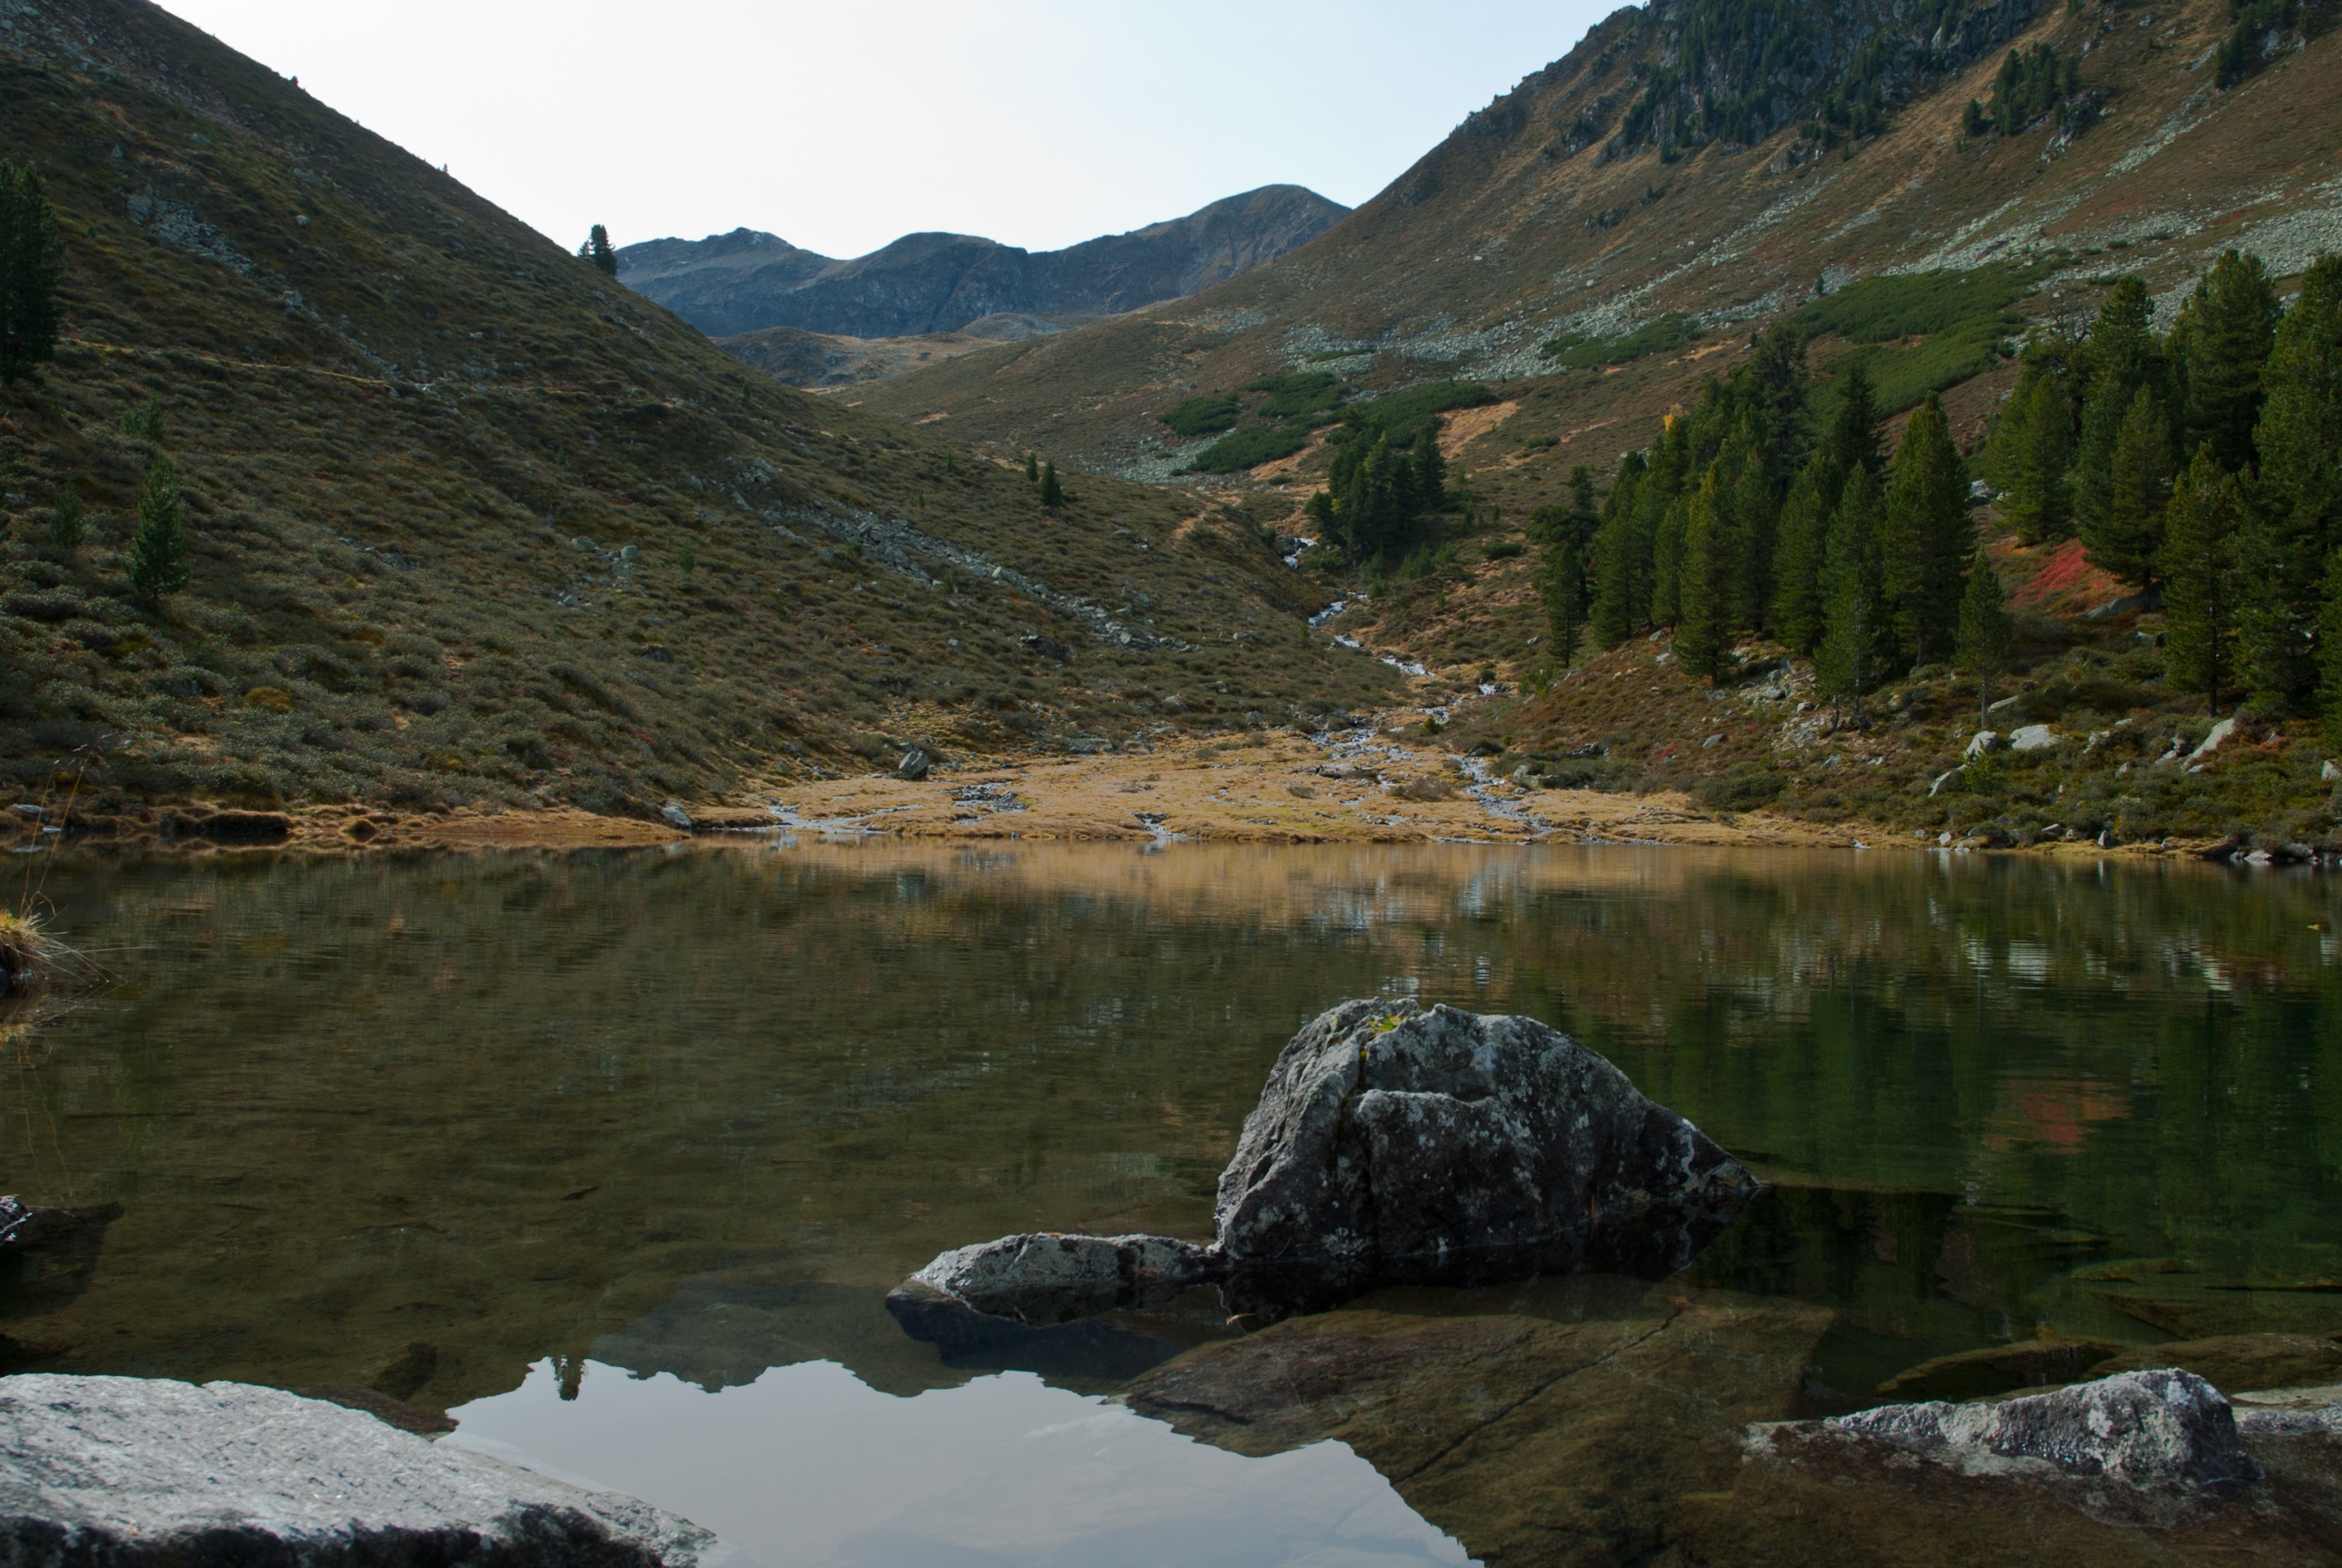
<point x="470" y="523"/>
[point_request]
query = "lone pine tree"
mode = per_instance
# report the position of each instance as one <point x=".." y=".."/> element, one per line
<point x="65" y="526"/>
<point x="597" y="250"/>
<point x="31" y="261"/>
<point x="158" y="547"/>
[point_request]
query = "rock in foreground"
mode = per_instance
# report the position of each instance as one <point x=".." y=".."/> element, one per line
<point x="127" y="1471"/>
<point x="2148" y="1429"/>
<point x="1445" y="1146"/>
<point x="1393" y="1146"/>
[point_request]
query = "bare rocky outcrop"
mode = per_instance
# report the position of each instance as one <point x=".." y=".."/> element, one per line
<point x="1394" y="1145"/>
<point x="130" y="1472"/>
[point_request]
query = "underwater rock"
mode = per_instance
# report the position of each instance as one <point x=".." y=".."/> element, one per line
<point x="130" y="1472"/>
<point x="1997" y="1369"/>
<point x="1393" y="1146"/>
<point x="2235" y="1363"/>
<point x="2147" y="1428"/>
<point x="1444" y="1147"/>
<point x="1043" y="1280"/>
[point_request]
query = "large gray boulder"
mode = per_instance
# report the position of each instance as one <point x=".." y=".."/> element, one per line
<point x="2148" y="1429"/>
<point x="1393" y="1146"/>
<point x="1397" y="1146"/>
<point x="128" y="1472"/>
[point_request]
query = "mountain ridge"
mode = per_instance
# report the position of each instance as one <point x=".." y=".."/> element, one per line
<point x="930" y="282"/>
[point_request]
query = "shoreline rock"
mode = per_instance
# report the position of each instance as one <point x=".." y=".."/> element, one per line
<point x="1393" y="1145"/>
<point x="131" y="1471"/>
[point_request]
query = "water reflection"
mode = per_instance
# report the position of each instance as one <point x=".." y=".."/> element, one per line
<point x="690" y="1115"/>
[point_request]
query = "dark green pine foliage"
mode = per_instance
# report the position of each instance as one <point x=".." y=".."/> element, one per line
<point x="2129" y="540"/>
<point x="1565" y="536"/>
<point x="1854" y="433"/>
<point x="1929" y="535"/>
<point x="1622" y="559"/>
<point x="158" y="547"/>
<point x="1703" y="633"/>
<point x="1800" y="599"/>
<point x="1032" y="467"/>
<point x="32" y="265"/>
<point x="1667" y="558"/>
<point x="1429" y="489"/>
<point x="1374" y="506"/>
<point x="1858" y="641"/>
<point x="1985" y="630"/>
<point x="597" y="251"/>
<point x="2121" y="357"/>
<point x="1751" y="514"/>
<point x="1659" y="518"/>
<point x="2228" y="329"/>
<point x="2201" y="580"/>
<point x="2297" y="520"/>
<point x="1053" y="492"/>
<point x="2033" y="450"/>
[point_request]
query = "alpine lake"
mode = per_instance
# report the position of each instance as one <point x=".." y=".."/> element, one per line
<point x="615" y="1156"/>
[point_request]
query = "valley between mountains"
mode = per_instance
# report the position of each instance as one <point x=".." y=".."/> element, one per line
<point x="487" y="545"/>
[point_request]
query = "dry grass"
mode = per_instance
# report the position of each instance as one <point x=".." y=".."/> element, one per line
<point x="474" y="530"/>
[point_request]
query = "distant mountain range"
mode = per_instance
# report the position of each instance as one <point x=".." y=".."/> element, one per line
<point x="747" y="281"/>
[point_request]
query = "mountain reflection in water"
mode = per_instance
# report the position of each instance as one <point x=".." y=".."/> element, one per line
<point x="655" y="1125"/>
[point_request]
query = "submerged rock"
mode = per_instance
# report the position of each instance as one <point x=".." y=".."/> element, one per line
<point x="1047" y="1278"/>
<point x="2148" y="1429"/>
<point x="129" y="1472"/>
<point x="1393" y="1146"/>
<point x="1997" y="1369"/>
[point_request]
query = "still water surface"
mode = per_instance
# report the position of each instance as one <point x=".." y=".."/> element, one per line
<point x="617" y="1154"/>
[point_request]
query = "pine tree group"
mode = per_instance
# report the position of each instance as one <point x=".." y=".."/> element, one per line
<point x="2198" y="462"/>
<point x="1746" y="520"/>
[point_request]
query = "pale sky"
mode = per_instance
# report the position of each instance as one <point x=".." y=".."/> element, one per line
<point x="839" y="126"/>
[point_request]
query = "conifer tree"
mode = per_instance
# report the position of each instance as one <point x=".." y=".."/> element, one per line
<point x="1666" y="561"/>
<point x="1985" y="630"/>
<point x="1858" y="631"/>
<point x="1032" y="467"/>
<point x="1564" y="583"/>
<point x="65" y="527"/>
<point x="599" y="252"/>
<point x="1750" y="516"/>
<point x="2296" y="521"/>
<point x="2127" y="539"/>
<point x="2120" y="358"/>
<point x="1799" y="596"/>
<point x="32" y="259"/>
<point x="1854" y="433"/>
<point x="2232" y="327"/>
<point x="2031" y="452"/>
<point x="1429" y="484"/>
<point x="1053" y="493"/>
<point x="2200" y="579"/>
<point x="158" y="547"/>
<point x="1704" y="588"/>
<point x="1622" y="560"/>
<point x="1929" y="535"/>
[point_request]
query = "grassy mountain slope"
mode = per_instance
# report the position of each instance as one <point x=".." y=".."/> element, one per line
<point x="1647" y="260"/>
<point x="1542" y="217"/>
<point x="471" y="523"/>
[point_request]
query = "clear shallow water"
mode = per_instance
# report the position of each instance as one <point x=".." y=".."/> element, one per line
<point x="664" y="1128"/>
